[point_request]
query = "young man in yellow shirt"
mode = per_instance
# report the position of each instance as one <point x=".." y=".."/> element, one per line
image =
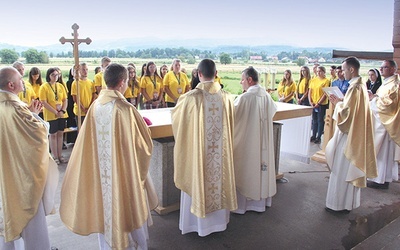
<point x="86" y="92"/>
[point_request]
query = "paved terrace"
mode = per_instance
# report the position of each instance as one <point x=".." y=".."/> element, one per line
<point x="296" y="220"/>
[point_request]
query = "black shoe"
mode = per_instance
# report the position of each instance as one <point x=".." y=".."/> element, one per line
<point x="312" y="139"/>
<point x="64" y="146"/>
<point x="344" y="211"/>
<point x="317" y="141"/>
<point x="375" y="185"/>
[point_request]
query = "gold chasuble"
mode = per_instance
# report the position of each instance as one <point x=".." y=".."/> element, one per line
<point x="103" y="188"/>
<point x="387" y="85"/>
<point x="354" y="119"/>
<point x="389" y="113"/>
<point x="202" y="123"/>
<point x="24" y="162"/>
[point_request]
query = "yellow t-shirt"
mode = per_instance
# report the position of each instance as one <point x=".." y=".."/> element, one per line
<point x="86" y="90"/>
<point x="176" y="83"/>
<point x="28" y="94"/>
<point x="128" y="93"/>
<point x="99" y="80"/>
<point x="65" y="87"/>
<point x="301" y="88"/>
<point x="218" y="79"/>
<point x="136" y="90"/>
<point x="152" y="86"/>
<point x="36" y="88"/>
<point x="132" y="90"/>
<point x="316" y="86"/>
<point x="284" y="91"/>
<point x="48" y="93"/>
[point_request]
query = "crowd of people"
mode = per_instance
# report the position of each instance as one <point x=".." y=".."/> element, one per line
<point x="308" y="91"/>
<point x="223" y="155"/>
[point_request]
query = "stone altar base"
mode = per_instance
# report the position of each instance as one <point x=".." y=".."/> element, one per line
<point x="162" y="173"/>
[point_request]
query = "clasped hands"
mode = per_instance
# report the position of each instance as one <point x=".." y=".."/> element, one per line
<point x="36" y="106"/>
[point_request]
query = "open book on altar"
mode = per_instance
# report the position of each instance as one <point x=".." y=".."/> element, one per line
<point x="333" y="91"/>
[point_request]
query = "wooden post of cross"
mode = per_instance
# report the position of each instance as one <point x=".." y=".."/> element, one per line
<point x="75" y="43"/>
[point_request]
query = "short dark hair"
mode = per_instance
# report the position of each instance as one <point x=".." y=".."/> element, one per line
<point x="115" y="73"/>
<point x="333" y="67"/>
<point x="392" y="63"/>
<point x="352" y="61"/>
<point x="339" y="67"/>
<point x="251" y="72"/>
<point x="207" y="68"/>
<point x="97" y="69"/>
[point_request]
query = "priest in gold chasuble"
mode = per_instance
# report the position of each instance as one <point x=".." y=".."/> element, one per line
<point x="350" y="153"/>
<point x="202" y="123"/>
<point x="104" y="185"/>
<point x="385" y="112"/>
<point x="28" y="175"/>
<point x="389" y="112"/>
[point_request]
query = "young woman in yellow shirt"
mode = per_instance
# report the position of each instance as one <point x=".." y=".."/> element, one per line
<point x="319" y="102"/>
<point x="287" y="88"/>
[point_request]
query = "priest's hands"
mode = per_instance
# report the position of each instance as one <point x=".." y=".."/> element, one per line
<point x="370" y="95"/>
<point x="334" y="99"/>
<point x="36" y="106"/>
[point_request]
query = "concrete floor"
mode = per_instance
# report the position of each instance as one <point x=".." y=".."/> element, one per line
<point x="296" y="220"/>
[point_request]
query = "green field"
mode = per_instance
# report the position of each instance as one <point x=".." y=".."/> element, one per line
<point x="230" y="74"/>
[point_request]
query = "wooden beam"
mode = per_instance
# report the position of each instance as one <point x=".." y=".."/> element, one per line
<point x="366" y="55"/>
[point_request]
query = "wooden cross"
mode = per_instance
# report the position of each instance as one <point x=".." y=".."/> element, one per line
<point x="75" y="43"/>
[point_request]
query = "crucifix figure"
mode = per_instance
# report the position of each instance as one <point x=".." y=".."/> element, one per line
<point x="75" y="42"/>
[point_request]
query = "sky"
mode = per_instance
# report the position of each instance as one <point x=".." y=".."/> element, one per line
<point x="345" y="24"/>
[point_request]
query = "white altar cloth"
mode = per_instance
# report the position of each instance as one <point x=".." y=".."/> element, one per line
<point x="295" y="137"/>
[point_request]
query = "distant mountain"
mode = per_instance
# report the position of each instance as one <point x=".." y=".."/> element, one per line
<point x="134" y="44"/>
<point x="12" y="47"/>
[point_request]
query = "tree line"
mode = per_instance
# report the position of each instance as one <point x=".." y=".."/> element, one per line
<point x="33" y="56"/>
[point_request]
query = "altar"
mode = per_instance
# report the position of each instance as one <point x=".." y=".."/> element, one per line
<point x="293" y="125"/>
<point x="295" y="136"/>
